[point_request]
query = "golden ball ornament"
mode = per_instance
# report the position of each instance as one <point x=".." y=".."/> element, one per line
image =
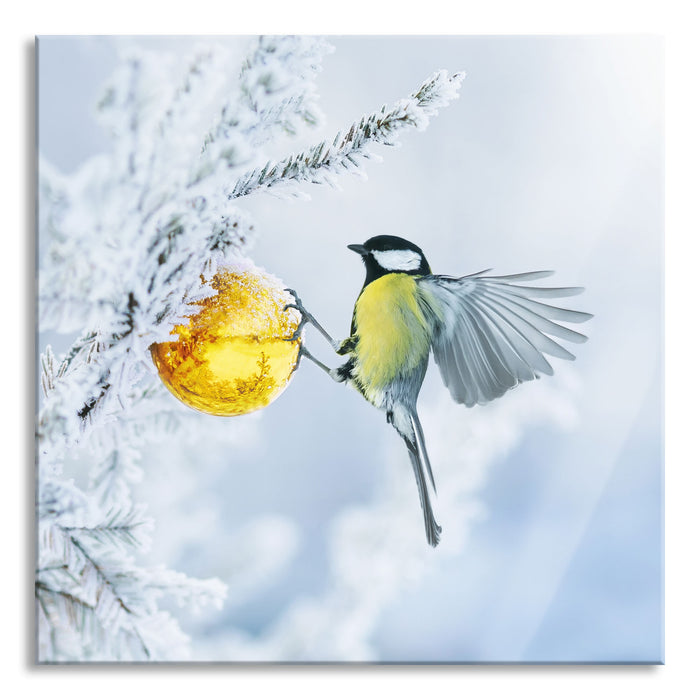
<point x="234" y="355"/>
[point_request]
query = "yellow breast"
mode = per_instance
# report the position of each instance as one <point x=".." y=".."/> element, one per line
<point x="392" y="332"/>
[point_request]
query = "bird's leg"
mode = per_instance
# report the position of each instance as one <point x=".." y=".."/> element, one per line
<point x="303" y="352"/>
<point x="306" y="317"/>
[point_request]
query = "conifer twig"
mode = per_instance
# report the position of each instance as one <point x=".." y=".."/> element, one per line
<point x="323" y="162"/>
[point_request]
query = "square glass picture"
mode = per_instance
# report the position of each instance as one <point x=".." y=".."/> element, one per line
<point x="351" y="349"/>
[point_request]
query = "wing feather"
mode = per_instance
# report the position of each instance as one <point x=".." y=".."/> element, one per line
<point x="538" y="342"/>
<point x="491" y="368"/>
<point x="546" y="292"/>
<point x="474" y="370"/>
<point x="493" y="335"/>
<point x="541" y="322"/>
<point x="514" y="367"/>
<point x="522" y="276"/>
<point x="508" y="365"/>
<point x="547" y="310"/>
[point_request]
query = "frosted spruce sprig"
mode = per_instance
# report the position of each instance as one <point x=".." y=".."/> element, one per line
<point x="321" y="164"/>
<point x="85" y="574"/>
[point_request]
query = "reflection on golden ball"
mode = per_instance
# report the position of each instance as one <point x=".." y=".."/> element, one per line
<point x="232" y="356"/>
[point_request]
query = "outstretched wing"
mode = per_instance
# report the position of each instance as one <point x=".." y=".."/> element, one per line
<point x="493" y="334"/>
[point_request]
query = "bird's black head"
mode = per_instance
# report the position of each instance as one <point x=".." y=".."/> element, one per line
<point x="385" y="254"/>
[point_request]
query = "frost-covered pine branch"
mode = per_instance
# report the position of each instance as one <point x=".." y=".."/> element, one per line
<point x="323" y="163"/>
<point x="128" y="238"/>
<point x="93" y="601"/>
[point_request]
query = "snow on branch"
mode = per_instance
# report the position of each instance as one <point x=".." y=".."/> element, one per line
<point x="322" y="163"/>
<point x="276" y="85"/>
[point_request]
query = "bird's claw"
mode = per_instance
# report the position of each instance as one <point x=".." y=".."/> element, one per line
<point x="304" y="317"/>
<point x="300" y="354"/>
<point x="297" y="333"/>
<point x="297" y="300"/>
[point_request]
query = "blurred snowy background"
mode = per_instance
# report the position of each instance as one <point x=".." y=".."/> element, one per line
<point x="550" y="498"/>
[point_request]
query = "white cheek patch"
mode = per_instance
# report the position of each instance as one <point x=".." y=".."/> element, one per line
<point x="404" y="260"/>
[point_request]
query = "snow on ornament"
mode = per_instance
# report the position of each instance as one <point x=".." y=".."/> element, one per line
<point x="234" y="355"/>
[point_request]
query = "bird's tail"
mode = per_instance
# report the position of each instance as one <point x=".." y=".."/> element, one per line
<point x="415" y="443"/>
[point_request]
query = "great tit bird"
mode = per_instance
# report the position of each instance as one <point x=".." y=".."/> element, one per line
<point x="487" y="334"/>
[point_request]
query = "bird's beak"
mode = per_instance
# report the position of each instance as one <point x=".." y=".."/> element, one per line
<point x="358" y="248"/>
